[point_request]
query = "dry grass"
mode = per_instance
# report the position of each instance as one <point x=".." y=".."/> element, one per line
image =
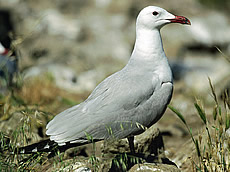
<point x="30" y="106"/>
<point x="39" y="91"/>
<point x="213" y="144"/>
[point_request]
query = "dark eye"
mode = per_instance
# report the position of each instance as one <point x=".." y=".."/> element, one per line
<point x="154" y="13"/>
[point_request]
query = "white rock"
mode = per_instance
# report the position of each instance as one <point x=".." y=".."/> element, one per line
<point x="65" y="77"/>
<point x="203" y="67"/>
<point x="58" y="24"/>
<point x="76" y="167"/>
<point x="211" y="29"/>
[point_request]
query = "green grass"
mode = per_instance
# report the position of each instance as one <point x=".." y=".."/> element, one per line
<point x="213" y="145"/>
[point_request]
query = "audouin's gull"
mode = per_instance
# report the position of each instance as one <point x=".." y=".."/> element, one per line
<point x="126" y="102"/>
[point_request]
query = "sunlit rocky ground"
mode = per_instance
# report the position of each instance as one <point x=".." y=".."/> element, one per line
<point x="65" y="48"/>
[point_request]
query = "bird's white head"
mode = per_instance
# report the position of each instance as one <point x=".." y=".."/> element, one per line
<point x="152" y="17"/>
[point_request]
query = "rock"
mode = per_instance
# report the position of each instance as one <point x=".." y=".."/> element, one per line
<point x="102" y="3"/>
<point x="228" y="133"/>
<point x="64" y="77"/>
<point x="32" y="124"/>
<point x="203" y="67"/>
<point x="87" y="81"/>
<point x="149" y="148"/>
<point x="57" y="24"/>
<point x="76" y="167"/>
<point x="148" y="167"/>
<point x="207" y="33"/>
<point x="10" y="123"/>
<point x="149" y="142"/>
<point x="125" y="161"/>
<point x="194" y="72"/>
<point x="211" y="29"/>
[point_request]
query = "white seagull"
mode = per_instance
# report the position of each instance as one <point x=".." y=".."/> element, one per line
<point x="128" y="101"/>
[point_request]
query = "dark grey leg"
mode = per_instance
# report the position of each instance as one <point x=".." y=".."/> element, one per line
<point x="131" y="144"/>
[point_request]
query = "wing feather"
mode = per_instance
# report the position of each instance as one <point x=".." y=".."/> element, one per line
<point x="112" y="106"/>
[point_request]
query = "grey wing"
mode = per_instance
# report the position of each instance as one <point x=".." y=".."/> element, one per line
<point x="112" y="110"/>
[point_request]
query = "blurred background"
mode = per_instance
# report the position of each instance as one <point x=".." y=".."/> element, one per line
<point x="58" y="51"/>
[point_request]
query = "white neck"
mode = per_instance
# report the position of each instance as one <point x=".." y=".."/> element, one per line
<point x="148" y="52"/>
<point x="148" y="44"/>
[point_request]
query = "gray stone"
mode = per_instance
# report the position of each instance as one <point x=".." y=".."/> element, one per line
<point x="149" y="167"/>
<point x="57" y="24"/>
<point x="76" y="167"/>
<point x="203" y="67"/>
<point x="211" y="29"/>
<point x="149" y="142"/>
<point x="64" y="77"/>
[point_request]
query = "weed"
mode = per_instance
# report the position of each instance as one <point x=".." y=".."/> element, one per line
<point x="212" y="147"/>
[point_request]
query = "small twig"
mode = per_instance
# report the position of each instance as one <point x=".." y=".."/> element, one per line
<point x="224" y="55"/>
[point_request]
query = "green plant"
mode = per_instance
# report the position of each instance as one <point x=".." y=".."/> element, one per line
<point x="10" y="158"/>
<point x="213" y="147"/>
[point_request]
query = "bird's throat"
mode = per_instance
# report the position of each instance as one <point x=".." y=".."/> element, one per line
<point x="148" y="43"/>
